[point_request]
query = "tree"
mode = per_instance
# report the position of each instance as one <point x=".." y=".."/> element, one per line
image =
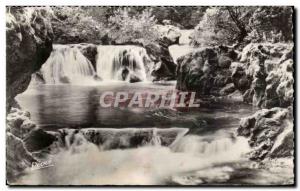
<point x="243" y="24"/>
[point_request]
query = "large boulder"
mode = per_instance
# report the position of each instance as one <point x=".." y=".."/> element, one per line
<point x="206" y="70"/>
<point x="264" y="75"/>
<point x="196" y="71"/>
<point x="164" y="67"/>
<point x="270" y="133"/>
<point x="29" y="43"/>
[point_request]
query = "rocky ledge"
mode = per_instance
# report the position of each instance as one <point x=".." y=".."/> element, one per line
<point x="29" y="38"/>
<point x="270" y="133"/>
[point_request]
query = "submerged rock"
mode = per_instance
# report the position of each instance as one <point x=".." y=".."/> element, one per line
<point x="270" y="133"/>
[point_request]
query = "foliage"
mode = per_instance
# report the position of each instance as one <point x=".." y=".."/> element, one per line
<point x="182" y="16"/>
<point x="74" y="25"/>
<point x="126" y="27"/>
<point x="273" y="23"/>
<point x="228" y="25"/>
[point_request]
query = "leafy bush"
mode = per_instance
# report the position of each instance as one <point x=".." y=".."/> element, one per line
<point x="126" y="27"/>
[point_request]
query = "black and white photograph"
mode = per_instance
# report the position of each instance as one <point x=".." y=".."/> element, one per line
<point x="150" y="96"/>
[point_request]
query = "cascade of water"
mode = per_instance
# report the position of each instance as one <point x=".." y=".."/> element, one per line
<point x="110" y="138"/>
<point x="67" y="65"/>
<point x="125" y="63"/>
<point x="197" y="145"/>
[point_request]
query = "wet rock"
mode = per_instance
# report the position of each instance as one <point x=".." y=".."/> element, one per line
<point x="270" y="133"/>
<point x="17" y="157"/>
<point x="97" y="78"/>
<point x="163" y="71"/>
<point x="19" y="123"/>
<point x="134" y="78"/>
<point x="196" y="71"/>
<point x="37" y="78"/>
<point x="29" y="43"/>
<point x="38" y="140"/>
<point x="164" y="66"/>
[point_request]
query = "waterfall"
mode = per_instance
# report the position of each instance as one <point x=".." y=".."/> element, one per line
<point x="122" y="63"/>
<point x="224" y="146"/>
<point x="67" y="65"/>
<point x="132" y="156"/>
<point x="183" y="48"/>
<point x="110" y="138"/>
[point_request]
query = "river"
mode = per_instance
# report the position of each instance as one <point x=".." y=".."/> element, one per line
<point x="209" y="153"/>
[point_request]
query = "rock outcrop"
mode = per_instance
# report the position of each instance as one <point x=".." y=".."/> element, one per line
<point x="22" y="138"/>
<point x="270" y="133"/>
<point x="264" y="75"/>
<point x="164" y="68"/>
<point x="18" y="157"/>
<point x="206" y="71"/>
<point x="29" y="43"/>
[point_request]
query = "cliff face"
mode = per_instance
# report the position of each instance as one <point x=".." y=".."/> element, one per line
<point x="264" y="75"/>
<point x="29" y="43"/>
